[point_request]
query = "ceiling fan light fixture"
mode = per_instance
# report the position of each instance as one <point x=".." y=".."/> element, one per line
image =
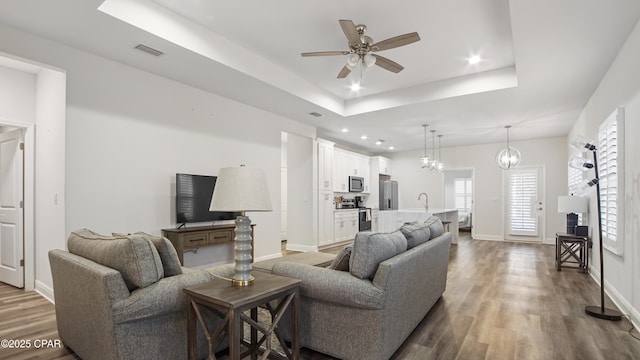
<point x="352" y="60"/>
<point x="369" y="60"/>
<point x="355" y="86"/>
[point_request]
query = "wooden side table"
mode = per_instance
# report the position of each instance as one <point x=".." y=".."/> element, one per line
<point x="572" y="249"/>
<point x="230" y="303"/>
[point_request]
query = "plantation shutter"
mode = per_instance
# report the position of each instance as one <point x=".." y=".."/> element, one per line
<point x="575" y="177"/>
<point x="523" y="191"/>
<point x="463" y="194"/>
<point x="610" y="173"/>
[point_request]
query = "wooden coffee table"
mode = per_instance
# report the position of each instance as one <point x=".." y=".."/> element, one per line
<point x="230" y="303"/>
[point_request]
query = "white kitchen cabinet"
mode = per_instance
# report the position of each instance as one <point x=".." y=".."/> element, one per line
<point x="375" y="220"/>
<point x="384" y="165"/>
<point x="340" y="171"/>
<point x="347" y="163"/>
<point x="325" y="165"/>
<point x="325" y="218"/>
<point x="345" y="225"/>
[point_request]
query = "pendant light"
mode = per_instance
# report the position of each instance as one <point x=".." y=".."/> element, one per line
<point x="425" y="158"/>
<point x="509" y="157"/>
<point x="434" y="164"/>
<point x="440" y="166"/>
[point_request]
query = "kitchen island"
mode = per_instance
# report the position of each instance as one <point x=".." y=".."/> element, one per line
<point x="391" y="220"/>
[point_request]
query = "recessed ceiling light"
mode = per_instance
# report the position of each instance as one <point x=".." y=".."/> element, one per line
<point x="379" y="142"/>
<point x="316" y="114"/>
<point x="345" y="130"/>
<point x="363" y="137"/>
<point x="391" y="148"/>
<point x="474" y="59"/>
<point x="355" y="87"/>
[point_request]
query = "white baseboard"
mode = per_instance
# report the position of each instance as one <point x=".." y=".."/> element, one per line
<point x="487" y="237"/>
<point x="45" y="291"/>
<point x="268" y="257"/>
<point x="619" y="301"/>
<point x="301" y="248"/>
<point x="549" y="241"/>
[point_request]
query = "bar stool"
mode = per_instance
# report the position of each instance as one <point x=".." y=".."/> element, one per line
<point x="447" y="226"/>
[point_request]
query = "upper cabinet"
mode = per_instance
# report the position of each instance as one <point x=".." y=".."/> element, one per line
<point x="384" y="165"/>
<point x="325" y="165"/>
<point x="347" y="163"/>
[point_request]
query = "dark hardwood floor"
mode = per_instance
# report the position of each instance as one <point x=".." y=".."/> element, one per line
<point x="503" y="301"/>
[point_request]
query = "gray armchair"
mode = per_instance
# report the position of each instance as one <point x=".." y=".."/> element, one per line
<point x="103" y="313"/>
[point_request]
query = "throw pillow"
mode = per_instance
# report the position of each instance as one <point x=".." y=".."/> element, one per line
<point x="435" y="226"/>
<point x="167" y="252"/>
<point x="370" y="249"/>
<point x="415" y="234"/>
<point x="341" y="261"/>
<point x="136" y="258"/>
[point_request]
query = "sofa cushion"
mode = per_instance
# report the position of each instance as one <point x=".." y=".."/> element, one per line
<point x="370" y="249"/>
<point x="167" y="252"/>
<point x="415" y="233"/>
<point x="135" y="257"/>
<point x="341" y="261"/>
<point x="435" y="226"/>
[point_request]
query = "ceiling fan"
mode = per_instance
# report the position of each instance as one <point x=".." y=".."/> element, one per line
<point x="361" y="48"/>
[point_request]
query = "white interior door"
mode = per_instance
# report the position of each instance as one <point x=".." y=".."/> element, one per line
<point x="11" y="213"/>
<point x="524" y="204"/>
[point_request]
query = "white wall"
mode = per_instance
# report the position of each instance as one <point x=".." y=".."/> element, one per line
<point x="128" y="132"/>
<point x="17" y="96"/>
<point x="49" y="173"/>
<point x="301" y="231"/>
<point x="488" y="219"/>
<point x="32" y="96"/>
<point x="620" y="87"/>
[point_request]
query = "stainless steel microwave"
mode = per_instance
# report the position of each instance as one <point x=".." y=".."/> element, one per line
<point x="356" y="184"/>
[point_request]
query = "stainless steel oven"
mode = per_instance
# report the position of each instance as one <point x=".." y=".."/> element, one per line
<point x="364" y="219"/>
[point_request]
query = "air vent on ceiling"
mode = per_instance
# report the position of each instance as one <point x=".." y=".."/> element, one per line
<point x="149" y="50"/>
<point x="316" y="114"/>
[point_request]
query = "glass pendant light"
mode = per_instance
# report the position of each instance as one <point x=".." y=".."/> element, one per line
<point x="440" y="165"/>
<point x="425" y="158"/>
<point x="509" y="157"/>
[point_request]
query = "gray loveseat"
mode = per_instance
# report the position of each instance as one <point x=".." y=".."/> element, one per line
<point x="120" y="297"/>
<point x="366" y="309"/>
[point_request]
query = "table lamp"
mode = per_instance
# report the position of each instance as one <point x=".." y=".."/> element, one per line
<point x="241" y="189"/>
<point x="572" y="205"/>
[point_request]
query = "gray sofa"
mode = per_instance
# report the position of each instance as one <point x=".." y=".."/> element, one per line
<point x="366" y="309"/>
<point x="120" y="297"/>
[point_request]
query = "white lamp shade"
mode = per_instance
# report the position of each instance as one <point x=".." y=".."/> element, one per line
<point x="572" y="204"/>
<point x="241" y="189"/>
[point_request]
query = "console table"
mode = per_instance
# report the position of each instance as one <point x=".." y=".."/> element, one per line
<point x="202" y="236"/>
<point x="572" y="249"/>
<point x="276" y="293"/>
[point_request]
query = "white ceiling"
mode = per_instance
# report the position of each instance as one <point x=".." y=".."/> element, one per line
<point x="541" y="59"/>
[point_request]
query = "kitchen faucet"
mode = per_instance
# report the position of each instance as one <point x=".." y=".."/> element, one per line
<point x="426" y="200"/>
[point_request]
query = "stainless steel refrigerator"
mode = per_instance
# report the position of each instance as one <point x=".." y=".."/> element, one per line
<point x="388" y="195"/>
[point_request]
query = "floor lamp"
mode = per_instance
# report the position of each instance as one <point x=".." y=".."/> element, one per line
<point x="581" y="163"/>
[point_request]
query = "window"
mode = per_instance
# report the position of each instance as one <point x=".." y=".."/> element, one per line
<point x="463" y="193"/>
<point x="611" y="178"/>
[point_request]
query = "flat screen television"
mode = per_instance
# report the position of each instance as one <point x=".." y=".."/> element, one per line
<point x="193" y="197"/>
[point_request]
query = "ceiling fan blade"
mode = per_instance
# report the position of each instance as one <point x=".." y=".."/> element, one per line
<point x="344" y="72"/>
<point x="396" y="41"/>
<point x="325" y="53"/>
<point x="387" y="64"/>
<point x="350" y="31"/>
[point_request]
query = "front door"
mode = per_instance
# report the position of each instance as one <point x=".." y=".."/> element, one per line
<point x="11" y="212"/>
<point x="524" y="204"/>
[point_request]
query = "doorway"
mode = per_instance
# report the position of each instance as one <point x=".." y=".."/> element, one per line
<point x="524" y="205"/>
<point x="12" y="207"/>
<point x="459" y="194"/>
